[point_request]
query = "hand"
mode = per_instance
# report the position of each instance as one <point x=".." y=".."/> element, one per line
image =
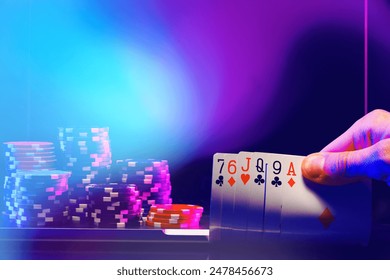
<point x="360" y="152"/>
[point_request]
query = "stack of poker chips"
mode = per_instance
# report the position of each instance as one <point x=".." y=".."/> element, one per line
<point x="24" y="156"/>
<point x="21" y="156"/>
<point x="39" y="198"/>
<point x="175" y="216"/>
<point x="86" y="154"/>
<point x="114" y="205"/>
<point x="151" y="177"/>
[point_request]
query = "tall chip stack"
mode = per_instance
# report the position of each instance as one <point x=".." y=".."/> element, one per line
<point x="86" y="153"/>
<point x="23" y="157"/>
<point x="151" y="177"/>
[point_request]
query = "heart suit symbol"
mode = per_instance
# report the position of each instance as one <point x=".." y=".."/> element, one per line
<point x="245" y="178"/>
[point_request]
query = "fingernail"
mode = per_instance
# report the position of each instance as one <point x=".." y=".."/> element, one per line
<point x="313" y="166"/>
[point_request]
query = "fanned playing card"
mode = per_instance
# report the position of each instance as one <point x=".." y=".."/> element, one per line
<point x="217" y="186"/>
<point x="326" y="213"/>
<point x="274" y="185"/>
<point x="255" y="203"/>
<point x="223" y="185"/>
<point x="242" y="194"/>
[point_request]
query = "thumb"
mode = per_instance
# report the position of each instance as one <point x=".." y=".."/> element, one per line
<point x="338" y="168"/>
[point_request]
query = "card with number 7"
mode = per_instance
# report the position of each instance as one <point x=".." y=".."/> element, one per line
<point x="224" y="184"/>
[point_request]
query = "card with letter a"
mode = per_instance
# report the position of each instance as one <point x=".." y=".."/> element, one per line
<point x="326" y="213"/>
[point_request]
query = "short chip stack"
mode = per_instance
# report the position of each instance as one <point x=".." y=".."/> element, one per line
<point x="151" y="177"/>
<point x="20" y="156"/>
<point x="174" y="216"/>
<point x="86" y="154"/>
<point x="39" y="198"/>
<point x="114" y="205"/>
<point x="24" y="156"/>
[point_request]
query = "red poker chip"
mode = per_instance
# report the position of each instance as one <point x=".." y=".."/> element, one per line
<point x="176" y="208"/>
<point x="172" y="226"/>
<point x="173" y="221"/>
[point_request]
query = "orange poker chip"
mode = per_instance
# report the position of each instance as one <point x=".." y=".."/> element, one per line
<point x="176" y="209"/>
<point x="174" y="216"/>
<point x="172" y="226"/>
<point x="173" y="221"/>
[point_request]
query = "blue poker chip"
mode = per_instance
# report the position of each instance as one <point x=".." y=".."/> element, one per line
<point x="110" y="225"/>
<point x="148" y="188"/>
<point x="142" y="178"/>
<point x="35" y="212"/>
<point x="111" y="187"/>
<point x="83" y="135"/>
<point x="16" y="151"/>
<point x="143" y="162"/>
<point x="88" y="158"/>
<point x="29" y="153"/>
<point x="33" y="224"/>
<point x="130" y="210"/>
<point x="83" y="129"/>
<point x="40" y="199"/>
<point x="26" y="144"/>
<point x="114" y="205"/>
<point x="80" y="145"/>
<point x="43" y="217"/>
<point x="38" y="181"/>
<point x="116" y="191"/>
<point x="105" y="215"/>
<point x="39" y="175"/>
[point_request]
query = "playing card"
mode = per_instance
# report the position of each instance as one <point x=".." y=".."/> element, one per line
<point x="217" y="185"/>
<point x="255" y="202"/>
<point x="242" y="194"/>
<point x="273" y="193"/>
<point x="229" y="172"/>
<point x="224" y="183"/>
<point x="326" y="213"/>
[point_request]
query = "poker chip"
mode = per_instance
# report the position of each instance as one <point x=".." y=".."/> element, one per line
<point x="172" y="226"/>
<point x="26" y="144"/>
<point x="176" y="209"/>
<point x="174" y="216"/>
<point x="24" y="181"/>
<point x="173" y="221"/>
<point x="114" y="204"/>
<point x="22" y="156"/>
<point x="151" y="177"/>
<point x="86" y="153"/>
<point x="109" y="225"/>
<point x="89" y="190"/>
<point x="37" y="198"/>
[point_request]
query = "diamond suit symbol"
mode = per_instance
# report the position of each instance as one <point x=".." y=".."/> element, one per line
<point x="231" y="181"/>
<point x="326" y="218"/>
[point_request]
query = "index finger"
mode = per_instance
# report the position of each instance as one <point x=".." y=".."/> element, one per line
<point x="365" y="132"/>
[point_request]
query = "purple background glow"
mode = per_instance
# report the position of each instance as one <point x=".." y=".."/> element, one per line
<point x="182" y="80"/>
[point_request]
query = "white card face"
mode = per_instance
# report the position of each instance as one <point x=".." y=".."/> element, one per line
<point x="229" y="172"/>
<point x="323" y="212"/>
<point x="217" y="186"/>
<point x="255" y="202"/>
<point x="273" y="192"/>
<point x="242" y="193"/>
<point x="223" y="197"/>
